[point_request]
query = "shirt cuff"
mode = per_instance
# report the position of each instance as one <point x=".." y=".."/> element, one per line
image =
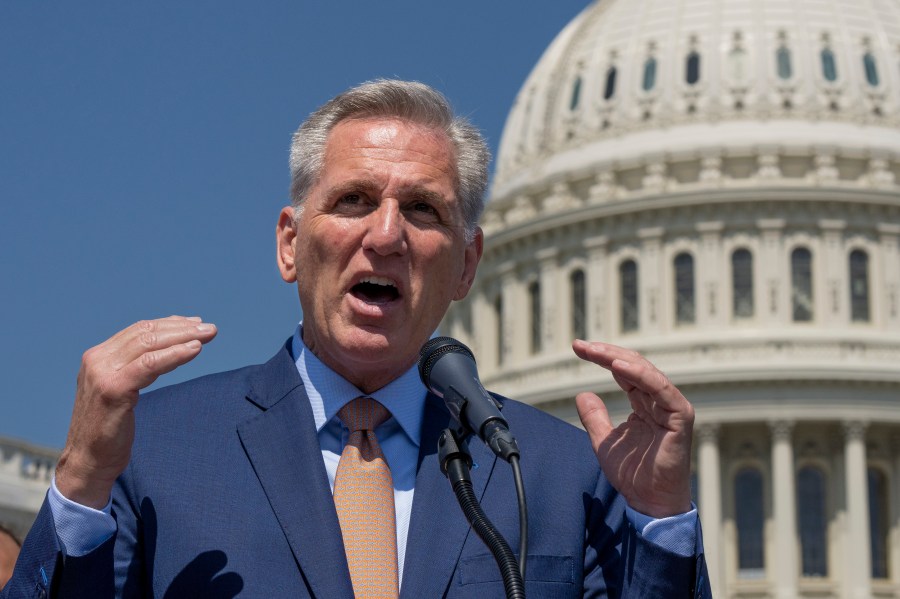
<point x="677" y="534"/>
<point x="80" y="529"/>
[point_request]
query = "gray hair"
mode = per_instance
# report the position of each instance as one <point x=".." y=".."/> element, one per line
<point x="407" y="100"/>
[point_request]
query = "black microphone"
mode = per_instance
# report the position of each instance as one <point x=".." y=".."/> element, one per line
<point x="447" y="368"/>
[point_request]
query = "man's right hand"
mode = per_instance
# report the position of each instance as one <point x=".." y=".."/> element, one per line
<point x="112" y="374"/>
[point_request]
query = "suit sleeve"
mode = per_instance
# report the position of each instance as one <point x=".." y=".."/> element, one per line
<point x="43" y="571"/>
<point x="620" y="563"/>
<point x="115" y="569"/>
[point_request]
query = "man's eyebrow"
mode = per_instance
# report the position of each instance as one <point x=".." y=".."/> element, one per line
<point x="423" y="194"/>
<point x="371" y="186"/>
<point x="365" y="185"/>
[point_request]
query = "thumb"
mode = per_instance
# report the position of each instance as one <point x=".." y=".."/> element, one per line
<point x="594" y="416"/>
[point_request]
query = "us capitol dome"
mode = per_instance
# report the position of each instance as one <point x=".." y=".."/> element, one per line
<point x="716" y="184"/>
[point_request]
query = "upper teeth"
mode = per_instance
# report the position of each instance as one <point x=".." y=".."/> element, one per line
<point x="378" y="281"/>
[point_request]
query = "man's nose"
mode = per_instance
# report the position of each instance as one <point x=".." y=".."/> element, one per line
<point x="385" y="234"/>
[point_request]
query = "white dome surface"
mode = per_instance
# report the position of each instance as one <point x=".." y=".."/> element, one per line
<point x="742" y="96"/>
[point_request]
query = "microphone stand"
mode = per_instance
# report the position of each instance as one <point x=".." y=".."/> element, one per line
<point x="456" y="464"/>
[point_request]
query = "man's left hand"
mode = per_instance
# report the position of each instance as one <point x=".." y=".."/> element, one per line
<point x="647" y="458"/>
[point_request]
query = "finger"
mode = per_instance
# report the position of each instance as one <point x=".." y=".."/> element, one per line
<point x="603" y="354"/>
<point x="645" y="377"/>
<point x="594" y="416"/>
<point x="149" y="366"/>
<point x="137" y="328"/>
<point x="152" y="335"/>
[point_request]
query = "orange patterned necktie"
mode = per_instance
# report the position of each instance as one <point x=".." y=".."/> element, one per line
<point x="364" y="498"/>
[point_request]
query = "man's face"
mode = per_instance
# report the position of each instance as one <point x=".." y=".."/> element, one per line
<point x="379" y="250"/>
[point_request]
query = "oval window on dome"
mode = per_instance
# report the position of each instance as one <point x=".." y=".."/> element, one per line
<point x="742" y="283"/>
<point x="576" y="94"/>
<point x="871" y="69"/>
<point x="610" y="89"/>
<point x="829" y="66"/>
<point x="685" y="306"/>
<point x="649" y="80"/>
<point x="692" y="68"/>
<point x="859" y="286"/>
<point x="783" y="62"/>
<point x="801" y="284"/>
<point x="628" y="284"/>
<point x="534" y="301"/>
<point x="498" y="329"/>
<point x="579" y="304"/>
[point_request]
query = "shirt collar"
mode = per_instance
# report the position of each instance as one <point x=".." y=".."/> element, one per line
<point x="328" y="391"/>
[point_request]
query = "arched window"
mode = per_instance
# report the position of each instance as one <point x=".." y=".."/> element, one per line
<point x="749" y="516"/>
<point x="534" y="301"/>
<point x="579" y="304"/>
<point x="498" y="319"/>
<point x="812" y="521"/>
<point x="576" y="94"/>
<point x="742" y="283"/>
<point x="692" y="68"/>
<point x="628" y="280"/>
<point x="878" y="522"/>
<point x="871" y="69"/>
<point x="801" y="285"/>
<point x="648" y="82"/>
<point x="783" y="62"/>
<point x="685" y="311"/>
<point x="829" y="67"/>
<point x="610" y="89"/>
<point x="859" y="286"/>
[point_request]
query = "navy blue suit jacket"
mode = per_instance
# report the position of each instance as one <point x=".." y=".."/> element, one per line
<point x="226" y="495"/>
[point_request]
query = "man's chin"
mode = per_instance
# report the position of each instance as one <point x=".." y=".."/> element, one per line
<point x="377" y="346"/>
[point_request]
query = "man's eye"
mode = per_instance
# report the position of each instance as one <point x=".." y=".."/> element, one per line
<point x="351" y="198"/>
<point x="423" y="207"/>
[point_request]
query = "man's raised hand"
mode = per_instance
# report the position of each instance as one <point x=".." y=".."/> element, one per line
<point x="647" y="458"/>
<point x="101" y="432"/>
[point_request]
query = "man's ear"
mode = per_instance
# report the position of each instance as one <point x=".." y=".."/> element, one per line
<point x="285" y="235"/>
<point x="474" y="249"/>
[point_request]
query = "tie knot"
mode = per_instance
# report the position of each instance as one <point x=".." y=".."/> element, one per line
<point x="363" y="414"/>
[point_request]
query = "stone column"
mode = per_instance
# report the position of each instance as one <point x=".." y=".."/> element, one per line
<point x="654" y="305"/>
<point x="709" y="275"/>
<point x="773" y="296"/>
<point x="857" y="550"/>
<point x="711" y="504"/>
<point x="889" y="313"/>
<point x="552" y="293"/>
<point x="834" y="269"/>
<point x="784" y="562"/>
<point x="598" y="284"/>
<point x="512" y="343"/>
<point x="480" y="333"/>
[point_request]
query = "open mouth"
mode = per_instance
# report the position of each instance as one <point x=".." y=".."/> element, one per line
<point x="375" y="290"/>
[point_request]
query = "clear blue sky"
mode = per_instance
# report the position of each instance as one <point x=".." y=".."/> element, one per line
<point x="143" y="160"/>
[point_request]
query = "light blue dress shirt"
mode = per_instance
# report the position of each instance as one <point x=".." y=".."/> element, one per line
<point x="82" y="529"/>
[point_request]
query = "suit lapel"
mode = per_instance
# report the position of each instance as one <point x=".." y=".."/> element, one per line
<point x="437" y="528"/>
<point x="282" y="445"/>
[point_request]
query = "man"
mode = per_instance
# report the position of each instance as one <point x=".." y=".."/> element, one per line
<point x="223" y="485"/>
<point x="9" y="551"/>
